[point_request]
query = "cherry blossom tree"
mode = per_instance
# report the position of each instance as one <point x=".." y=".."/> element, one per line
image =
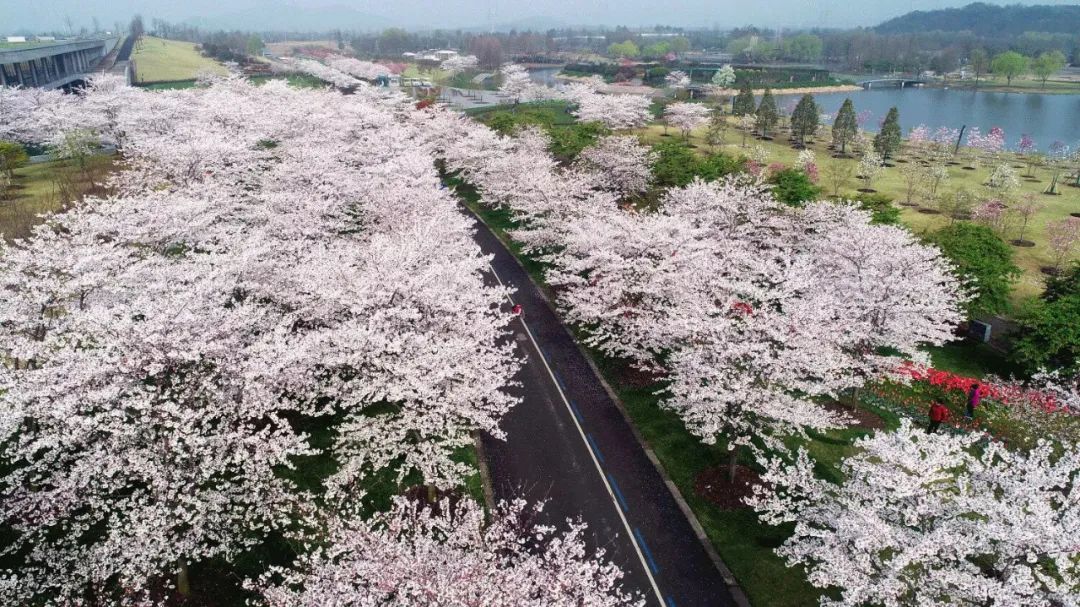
<point x="1003" y="179"/>
<point x="722" y="288"/>
<point x="364" y="70"/>
<point x="616" y="111"/>
<point x="929" y="519"/>
<point x="1063" y="238"/>
<point x="944" y="141"/>
<point x="448" y="555"/>
<point x="919" y="138"/>
<point x="988" y="146"/>
<point x="870" y="167"/>
<point x="322" y="72"/>
<point x="1025" y="209"/>
<point x="993" y="213"/>
<point x="677" y="80"/>
<point x="269" y="253"/>
<point x="519" y="86"/>
<point x="687" y="116"/>
<point x="460" y="63"/>
<point x="622" y="164"/>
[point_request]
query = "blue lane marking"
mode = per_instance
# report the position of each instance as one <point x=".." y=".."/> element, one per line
<point x="618" y="494"/>
<point x="645" y="549"/>
<point x="670" y="601"/>
<point x="544" y="353"/>
<point x="558" y="380"/>
<point x="577" y="413"/>
<point x="595" y="449"/>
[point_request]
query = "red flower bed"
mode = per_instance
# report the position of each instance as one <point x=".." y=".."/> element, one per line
<point x="1006" y="394"/>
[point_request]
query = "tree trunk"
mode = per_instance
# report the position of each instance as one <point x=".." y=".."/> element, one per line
<point x="733" y="463"/>
<point x="183" y="580"/>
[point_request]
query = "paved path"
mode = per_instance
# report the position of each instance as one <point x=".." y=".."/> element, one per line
<point x="568" y="443"/>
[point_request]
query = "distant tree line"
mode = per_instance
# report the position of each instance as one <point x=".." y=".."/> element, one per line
<point x="853" y="50"/>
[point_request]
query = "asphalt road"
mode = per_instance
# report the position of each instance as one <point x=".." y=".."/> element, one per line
<point x="569" y="444"/>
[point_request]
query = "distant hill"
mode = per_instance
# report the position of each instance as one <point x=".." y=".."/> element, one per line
<point x="988" y="20"/>
<point x="282" y="15"/>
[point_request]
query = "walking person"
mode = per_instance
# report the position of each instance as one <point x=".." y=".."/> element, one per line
<point x="938" y="414"/>
<point x="974" y="397"/>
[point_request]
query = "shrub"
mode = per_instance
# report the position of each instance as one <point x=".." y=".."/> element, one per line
<point x="982" y="258"/>
<point x="881" y="207"/>
<point x="1050" y="326"/>
<point x="677" y="165"/>
<point x="793" y="187"/>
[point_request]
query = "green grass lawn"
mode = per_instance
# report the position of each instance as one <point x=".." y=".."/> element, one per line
<point x="43" y="188"/>
<point x="891" y="183"/>
<point x="160" y="60"/>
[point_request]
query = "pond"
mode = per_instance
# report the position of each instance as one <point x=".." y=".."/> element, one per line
<point x="1045" y="118"/>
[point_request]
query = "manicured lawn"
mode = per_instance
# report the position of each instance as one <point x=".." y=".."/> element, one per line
<point x="891" y="183"/>
<point x="42" y="188"/>
<point x="160" y="60"/>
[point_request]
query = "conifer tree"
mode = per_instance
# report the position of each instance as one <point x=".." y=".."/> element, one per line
<point x="744" y="101"/>
<point x="804" y="120"/>
<point x="887" y="141"/>
<point x="767" y="114"/>
<point x="846" y="127"/>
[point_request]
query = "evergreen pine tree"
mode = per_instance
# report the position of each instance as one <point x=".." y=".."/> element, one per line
<point x="804" y="120"/>
<point x="767" y="113"/>
<point x="887" y="141"/>
<point x="846" y="127"/>
<point x="744" y="101"/>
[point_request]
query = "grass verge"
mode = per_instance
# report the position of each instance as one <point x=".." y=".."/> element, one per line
<point x="45" y="188"/>
<point x="161" y="60"/>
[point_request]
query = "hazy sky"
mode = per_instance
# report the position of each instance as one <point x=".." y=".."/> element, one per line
<point x="50" y="14"/>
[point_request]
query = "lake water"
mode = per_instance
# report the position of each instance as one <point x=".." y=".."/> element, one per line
<point x="1045" y="118"/>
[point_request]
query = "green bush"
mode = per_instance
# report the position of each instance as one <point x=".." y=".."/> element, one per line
<point x="567" y="141"/>
<point x="677" y="165"/>
<point x="1050" y="326"/>
<point x="982" y="258"/>
<point x="881" y="207"/>
<point x="793" y="188"/>
<point x="12" y="156"/>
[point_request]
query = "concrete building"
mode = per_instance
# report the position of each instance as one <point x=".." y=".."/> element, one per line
<point x="52" y="65"/>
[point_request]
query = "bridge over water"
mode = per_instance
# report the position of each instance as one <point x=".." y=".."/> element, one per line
<point x="53" y="65"/>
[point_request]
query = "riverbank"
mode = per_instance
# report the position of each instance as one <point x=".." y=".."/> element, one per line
<point x="1053" y="87"/>
<point x="813" y="90"/>
<point x="655" y="92"/>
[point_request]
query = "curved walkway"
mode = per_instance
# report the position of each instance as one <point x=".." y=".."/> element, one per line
<point x="568" y="443"/>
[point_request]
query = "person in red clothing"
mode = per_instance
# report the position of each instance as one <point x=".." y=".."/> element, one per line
<point x="938" y="414"/>
<point x="517" y="310"/>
